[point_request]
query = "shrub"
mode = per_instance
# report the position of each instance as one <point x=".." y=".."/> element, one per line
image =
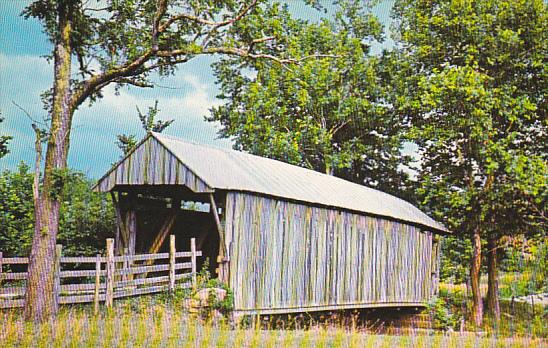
<point x="442" y="314"/>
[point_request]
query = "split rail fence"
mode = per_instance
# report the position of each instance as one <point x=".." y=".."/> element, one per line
<point x="106" y="277"/>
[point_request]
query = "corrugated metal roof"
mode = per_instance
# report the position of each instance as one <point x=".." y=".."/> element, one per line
<point x="239" y="171"/>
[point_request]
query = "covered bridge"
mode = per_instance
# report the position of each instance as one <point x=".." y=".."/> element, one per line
<point x="284" y="238"/>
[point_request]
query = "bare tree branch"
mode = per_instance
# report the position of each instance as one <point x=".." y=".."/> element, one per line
<point x="28" y="115"/>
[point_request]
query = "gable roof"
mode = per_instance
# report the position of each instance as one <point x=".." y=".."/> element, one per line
<point x="223" y="169"/>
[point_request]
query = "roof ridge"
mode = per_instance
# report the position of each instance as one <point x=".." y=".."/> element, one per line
<point x="241" y="152"/>
<point x="231" y="169"/>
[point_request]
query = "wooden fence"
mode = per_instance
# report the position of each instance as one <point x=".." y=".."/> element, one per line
<point x="105" y="278"/>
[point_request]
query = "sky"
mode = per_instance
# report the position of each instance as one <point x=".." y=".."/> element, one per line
<point x="185" y="97"/>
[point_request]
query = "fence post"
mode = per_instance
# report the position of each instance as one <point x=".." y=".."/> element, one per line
<point x="109" y="296"/>
<point x="172" y="263"/>
<point x="193" y="260"/>
<point x="97" y="283"/>
<point x="57" y="272"/>
<point x="0" y="266"/>
<point x="125" y="264"/>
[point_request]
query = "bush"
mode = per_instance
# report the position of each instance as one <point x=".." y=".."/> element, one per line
<point x="86" y="218"/>
<point x="441" y="314"/>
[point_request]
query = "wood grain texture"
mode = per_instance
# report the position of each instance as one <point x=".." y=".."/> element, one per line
<point x="286" y="255"/>
<point x="151" y="164"/>
<point x="73" y="291"/>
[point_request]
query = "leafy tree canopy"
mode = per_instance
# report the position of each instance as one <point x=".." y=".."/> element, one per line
<point x="125" y="41"/>
<point x="327" y="113"/>
<point x="476" y="98"/>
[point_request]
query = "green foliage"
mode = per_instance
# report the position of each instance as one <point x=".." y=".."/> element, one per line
<point x="16" y="211"/>
<point x="147" y="120"/>
<point x="327" y="112"/>
<point x="475" y="96"/>
<point x="127" y="42"/>
<point x="86" y="217"/>
<point x="440" y="312"/>
<point x="526" y="268"/>
<point x="204" y="281"/>
<point x="126" y="143"/>
<point x="4" y="141"/>
<point x="455" y="258"/>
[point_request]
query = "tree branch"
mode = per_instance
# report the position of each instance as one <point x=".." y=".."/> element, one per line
<point x="37" y="163"/>
<point x="133" y="82"/>
<point x="137" y="66"/>
<point x="28" y="114"/>
<point x="92" y="84"/>
<point x="161" y="10"/>
<point x="203" y="21"/>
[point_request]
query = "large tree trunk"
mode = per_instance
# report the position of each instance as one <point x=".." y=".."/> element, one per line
<point x="40" y="300"/>
<point x="493" y="282"/>
<point x="475" y="272"/>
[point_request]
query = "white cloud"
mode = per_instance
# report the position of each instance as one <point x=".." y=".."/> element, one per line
<point x="23" y="78"/>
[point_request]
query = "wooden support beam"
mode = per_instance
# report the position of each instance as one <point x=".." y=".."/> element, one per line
<point x="162" y="234"/>
<point x="131" y="216"/>
<point x="120" y="226"/>
<point x="126" y="218"/>
<point x="223" y="257"/>
<point x="215" y="212"/>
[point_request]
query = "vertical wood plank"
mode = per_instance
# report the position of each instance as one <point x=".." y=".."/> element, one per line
<point x="0" y="266"/>
<point x="290" y="255"/>
<point x="132" y="228"/>
<point x="57" y="272"/>
<point x="97" y="284"/>
<point x="110" y="273"/>
<point x="172" y="263"/>
<point x="119" y="221"/>
<point x="125" y="264"/>
<point x="193" y="260"/>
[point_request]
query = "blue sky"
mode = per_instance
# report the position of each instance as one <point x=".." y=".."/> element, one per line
<point x="185" y="97"/>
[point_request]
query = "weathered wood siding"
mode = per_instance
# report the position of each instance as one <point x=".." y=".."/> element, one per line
<point x="152" y="164"/>
<point x="289" y="256"/>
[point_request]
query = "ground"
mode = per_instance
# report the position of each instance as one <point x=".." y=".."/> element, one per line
<point x="132" y="324"/>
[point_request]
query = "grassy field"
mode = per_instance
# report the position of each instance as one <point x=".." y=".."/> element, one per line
<point x="161" y="326"/>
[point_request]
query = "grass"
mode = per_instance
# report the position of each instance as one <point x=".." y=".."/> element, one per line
<point x="160" y="325"/>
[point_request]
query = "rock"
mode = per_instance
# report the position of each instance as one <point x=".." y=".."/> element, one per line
<point x="189" y="303"/>
<point x="203" y="295"/>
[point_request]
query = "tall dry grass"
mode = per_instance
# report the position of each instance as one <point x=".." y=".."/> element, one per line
<point x="162" y="326"/>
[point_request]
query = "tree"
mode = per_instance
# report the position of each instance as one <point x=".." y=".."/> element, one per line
<point x="125" y="42"/>
<point x="86" y="217"/>
<point x="4" y="141"/>
<point x="126" y="142"/>
<point x="476" y="99"/>
<point x="327" y="114"/>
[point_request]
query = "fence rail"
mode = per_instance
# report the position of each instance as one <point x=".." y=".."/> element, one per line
<point x="109" y="278"/>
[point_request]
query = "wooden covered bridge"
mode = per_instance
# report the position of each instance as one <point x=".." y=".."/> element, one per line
<point x="285" y="239"/>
